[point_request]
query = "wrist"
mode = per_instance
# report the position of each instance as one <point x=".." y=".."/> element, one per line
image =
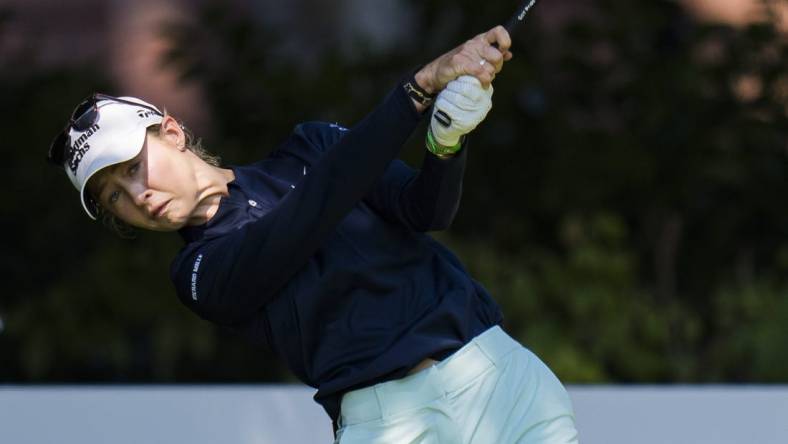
<point x="440" y="150"/>
<point x="422" y="99"/>
<point x="424" y="78"/>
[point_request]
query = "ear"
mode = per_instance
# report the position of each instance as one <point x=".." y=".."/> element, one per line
<point x="171" y="132"/>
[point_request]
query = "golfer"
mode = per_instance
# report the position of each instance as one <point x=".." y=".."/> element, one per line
<point x="319" y="252"/>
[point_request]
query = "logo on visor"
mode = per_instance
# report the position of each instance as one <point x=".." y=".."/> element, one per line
<point x="80" y="148"/>
<point x="144" y="114"/>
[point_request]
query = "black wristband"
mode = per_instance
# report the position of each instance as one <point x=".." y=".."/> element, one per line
<point x="416" y="92"/>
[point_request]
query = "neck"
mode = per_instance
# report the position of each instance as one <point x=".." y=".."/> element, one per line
<point x="212" y="185"/>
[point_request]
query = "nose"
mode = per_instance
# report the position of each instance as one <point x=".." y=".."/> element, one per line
<point x="142" y="198"/>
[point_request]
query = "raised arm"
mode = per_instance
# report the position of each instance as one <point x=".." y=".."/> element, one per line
<point x="250" y="266"/>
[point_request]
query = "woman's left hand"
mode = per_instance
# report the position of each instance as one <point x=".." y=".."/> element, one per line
<point x="466" y="104"/>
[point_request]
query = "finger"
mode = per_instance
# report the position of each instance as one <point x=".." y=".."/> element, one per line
<point x="478" y="70"/>
<point x="459" y="100"/>
<point x="500" y="36"/>
<point x="507" y="56"/>
<point x="467" y="62"/>
<point x="491" y="54"/>
<point x="494" y="57"/>
<point x="484" y="74"/>
<point x="460" y="63"/>
<point x="486" y="80"/>
<point x="471" y="85"/>
<point x="472" y="81"/>
<point x="485" y="65"/>
<point x="491" y="70"/>
<point x="456" y="114"/>
<point x="468" y="86"/>
<point x="485" y="94"/>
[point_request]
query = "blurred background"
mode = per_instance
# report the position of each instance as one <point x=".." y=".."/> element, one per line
<point x="625" y="201"/>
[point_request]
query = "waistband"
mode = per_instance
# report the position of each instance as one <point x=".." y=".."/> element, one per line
<point x="413" y="391"/>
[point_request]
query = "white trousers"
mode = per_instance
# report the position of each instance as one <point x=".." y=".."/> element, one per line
<point x="492" y="390"/>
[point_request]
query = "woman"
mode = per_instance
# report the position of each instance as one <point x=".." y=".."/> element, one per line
<point x="318" y="251"/>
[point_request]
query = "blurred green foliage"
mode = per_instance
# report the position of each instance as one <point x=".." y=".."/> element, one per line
<point x="623" y="201"/>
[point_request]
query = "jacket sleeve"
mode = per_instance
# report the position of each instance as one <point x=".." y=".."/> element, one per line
<point x="421" y="200"/>
<point x="424" y="200"/>
<point x="226" y="280"/>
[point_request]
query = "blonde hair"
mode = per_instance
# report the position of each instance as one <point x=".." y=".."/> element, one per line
<point x="191" y="143"/>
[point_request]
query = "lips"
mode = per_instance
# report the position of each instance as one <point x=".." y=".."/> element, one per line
<point x="158" y="211"/>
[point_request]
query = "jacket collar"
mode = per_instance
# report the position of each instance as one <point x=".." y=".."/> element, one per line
<point x="228" y="214"/>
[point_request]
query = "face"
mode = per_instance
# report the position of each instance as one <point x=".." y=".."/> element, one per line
<point x="156" y="190"/>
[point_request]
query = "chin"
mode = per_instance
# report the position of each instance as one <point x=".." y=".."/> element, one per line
<point x="170" y="222"/>
<point x="173" y="222"/>
<point x="173" y="219"/>
<point x="165" y="226"/>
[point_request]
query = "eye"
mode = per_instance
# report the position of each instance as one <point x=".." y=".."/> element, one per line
<point x="133" y="168"/>
<point x="113" y="197"/>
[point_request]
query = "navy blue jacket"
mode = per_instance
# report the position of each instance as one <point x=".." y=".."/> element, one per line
<point x="319" y="253"/>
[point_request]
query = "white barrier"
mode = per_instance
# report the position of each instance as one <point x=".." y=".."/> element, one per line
<point x="681" y="414"/>
<point x="257" y="414"/>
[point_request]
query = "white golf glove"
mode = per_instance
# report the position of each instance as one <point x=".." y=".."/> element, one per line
<point x="465" y="103"/>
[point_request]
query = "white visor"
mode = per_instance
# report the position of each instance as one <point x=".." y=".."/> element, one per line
<point x="117" y="136"/>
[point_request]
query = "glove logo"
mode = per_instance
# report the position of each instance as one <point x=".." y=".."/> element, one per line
<point x="443" y="118"/>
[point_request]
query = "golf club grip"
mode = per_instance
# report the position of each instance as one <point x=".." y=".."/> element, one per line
<point x="443" y="118"/>
<point x="518" y="17"/>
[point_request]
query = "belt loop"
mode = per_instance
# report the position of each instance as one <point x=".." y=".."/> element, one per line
<point x="434" y="376"/>
<point x="378" y="395"/>
<point x="478" y="344"/>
